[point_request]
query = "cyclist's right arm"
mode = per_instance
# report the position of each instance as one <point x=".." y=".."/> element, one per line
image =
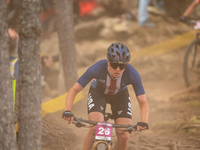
<point x="76" y="88"/>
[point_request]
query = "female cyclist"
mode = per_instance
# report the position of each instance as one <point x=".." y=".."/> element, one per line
<point x="110" y="79"/>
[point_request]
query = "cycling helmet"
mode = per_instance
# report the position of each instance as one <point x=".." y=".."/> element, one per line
<point x="118" y="53"/>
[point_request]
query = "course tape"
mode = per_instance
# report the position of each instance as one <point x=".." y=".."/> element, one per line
<point x="54" y="105"/>
<point x="166" y="46"/>
<point x="57" y="104"/>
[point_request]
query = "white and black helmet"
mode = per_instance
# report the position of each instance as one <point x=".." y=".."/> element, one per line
<point x="118" y="53"/>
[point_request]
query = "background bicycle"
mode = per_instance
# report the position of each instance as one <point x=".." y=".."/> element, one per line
<point x="191" y="66"/>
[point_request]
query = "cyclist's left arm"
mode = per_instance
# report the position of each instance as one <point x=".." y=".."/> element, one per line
<point x="136" y="82"/>
<point x="144" y="109"/>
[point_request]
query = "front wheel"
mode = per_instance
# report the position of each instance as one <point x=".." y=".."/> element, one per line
<point x="191" y="66"/>
<point x="101" y="146"/>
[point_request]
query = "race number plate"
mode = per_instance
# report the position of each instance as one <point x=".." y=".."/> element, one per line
<point x="103" y="131"/>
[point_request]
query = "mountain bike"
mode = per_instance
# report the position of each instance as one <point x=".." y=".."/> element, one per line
<point x="191" y="65"/>
<point x="103" y="136"/>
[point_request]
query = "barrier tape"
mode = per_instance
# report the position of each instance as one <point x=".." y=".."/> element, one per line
<point x="55" y="105"/>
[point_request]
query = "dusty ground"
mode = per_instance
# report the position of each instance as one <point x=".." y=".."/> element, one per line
<point x="174" y="110"/>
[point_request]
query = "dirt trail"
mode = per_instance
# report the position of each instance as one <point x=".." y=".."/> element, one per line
<point x="165" y="89"/>
<point x="173" y="108"/>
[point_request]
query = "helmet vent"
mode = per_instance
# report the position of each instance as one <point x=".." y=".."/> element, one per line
<point x="118" y="54"/>
<point x="117" y="46"/>
<point x="123" y="56"/>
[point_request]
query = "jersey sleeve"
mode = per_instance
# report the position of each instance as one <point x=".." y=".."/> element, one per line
<point x="90" y="73"/>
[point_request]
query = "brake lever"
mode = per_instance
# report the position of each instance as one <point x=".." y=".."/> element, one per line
<point x="132" y="128"/>
<point x="79" y="124"/>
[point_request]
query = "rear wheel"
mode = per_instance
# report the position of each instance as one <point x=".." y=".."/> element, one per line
<point x="191" y="66"/>
<point x="101" y="146"/>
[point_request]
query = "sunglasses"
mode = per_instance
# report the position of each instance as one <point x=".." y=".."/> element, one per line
<point x="115" y="65"/>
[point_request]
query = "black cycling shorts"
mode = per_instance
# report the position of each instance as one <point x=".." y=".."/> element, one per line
<point x="120" y="103"/>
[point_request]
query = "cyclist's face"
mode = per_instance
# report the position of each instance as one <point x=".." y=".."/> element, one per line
<point x="115" y="73"/>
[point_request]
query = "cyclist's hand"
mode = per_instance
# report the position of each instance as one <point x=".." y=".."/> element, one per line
<point x="183" y="19"/>
<point x="142" y="126"/>
<point x="67" y="115"/>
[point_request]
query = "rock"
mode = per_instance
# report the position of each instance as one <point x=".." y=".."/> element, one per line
<point x="88" y="30"/>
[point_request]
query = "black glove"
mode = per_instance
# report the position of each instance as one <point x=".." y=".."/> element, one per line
<point x="143" y="124"/>
<point x="183" y="19"/>
<point x="67" y="114"/>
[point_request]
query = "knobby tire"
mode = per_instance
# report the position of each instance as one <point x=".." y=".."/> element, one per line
<point x="101" y="146"/>
<point x="191" y="63"/>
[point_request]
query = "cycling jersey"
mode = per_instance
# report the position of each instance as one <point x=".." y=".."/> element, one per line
<point x="104" y="84"/>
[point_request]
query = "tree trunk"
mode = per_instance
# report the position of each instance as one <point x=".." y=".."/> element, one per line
<point x="65" y="30"/>
<point x="29" y="76"/>
<point x="7" y="134"/>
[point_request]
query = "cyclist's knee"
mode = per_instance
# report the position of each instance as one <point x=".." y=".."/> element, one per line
<point x="123" y="138"/>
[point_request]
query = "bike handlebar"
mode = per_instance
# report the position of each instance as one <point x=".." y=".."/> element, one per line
<point x="196" y="23"/>
<point x="191" y="22"/>
<point x="79" y="122"/>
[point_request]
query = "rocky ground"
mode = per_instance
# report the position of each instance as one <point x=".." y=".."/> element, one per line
<point x="174" y="109"/>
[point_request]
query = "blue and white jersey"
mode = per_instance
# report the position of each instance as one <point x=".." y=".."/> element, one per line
<point x="103" y="83"/>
